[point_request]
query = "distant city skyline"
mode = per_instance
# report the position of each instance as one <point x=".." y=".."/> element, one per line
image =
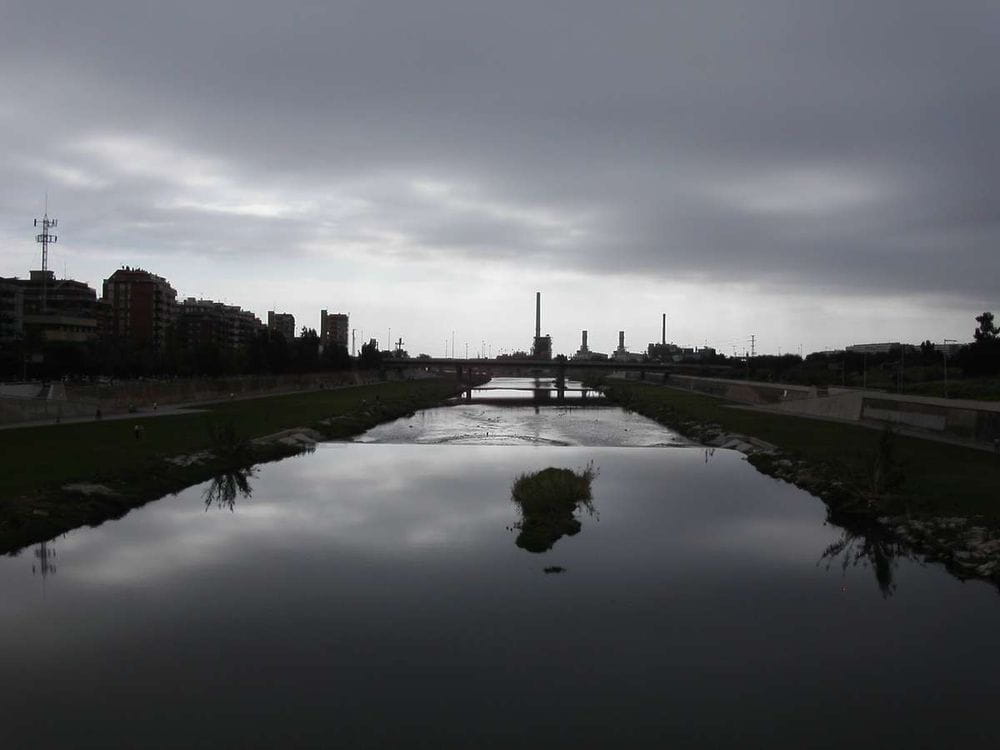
<point x="814" y="174"/>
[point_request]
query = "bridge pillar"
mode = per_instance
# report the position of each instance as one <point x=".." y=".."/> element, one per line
<point x="458" y="373"/>
<point x="561" y="377"/>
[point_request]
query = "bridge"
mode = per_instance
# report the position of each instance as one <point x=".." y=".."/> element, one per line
<point x="467" y="368"/>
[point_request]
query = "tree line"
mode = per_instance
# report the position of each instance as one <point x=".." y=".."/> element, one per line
<point x="267" y="352"/>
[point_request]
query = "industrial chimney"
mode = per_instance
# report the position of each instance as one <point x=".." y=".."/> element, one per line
<point x="621" y="340"/>
<point x="538" y="315"/>
<point x="583" y="344"/>
<point x="663" y="340"/>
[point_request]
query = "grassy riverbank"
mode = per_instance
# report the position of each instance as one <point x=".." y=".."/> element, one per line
<point x="938" y="478"/>
<point x="38" y="462"/>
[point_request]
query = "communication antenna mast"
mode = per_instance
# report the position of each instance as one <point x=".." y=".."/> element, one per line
<point x="45" y="239"/>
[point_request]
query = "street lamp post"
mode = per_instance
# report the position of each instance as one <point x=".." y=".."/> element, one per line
<point x="944" y="353"/>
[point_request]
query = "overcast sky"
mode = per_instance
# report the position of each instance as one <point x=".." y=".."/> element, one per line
<point x="814" y="173"/>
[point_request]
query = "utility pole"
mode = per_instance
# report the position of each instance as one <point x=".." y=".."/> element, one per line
<point x="753" y="341"/>
<point x="902" y="366"/>
<point x="453" y="345"/>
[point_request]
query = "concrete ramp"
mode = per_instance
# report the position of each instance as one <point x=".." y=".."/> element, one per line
<point x="20" y="390"/>
<point x="836" y="405"/>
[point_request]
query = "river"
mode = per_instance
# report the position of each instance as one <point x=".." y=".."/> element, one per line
<point x="373" y="594"/>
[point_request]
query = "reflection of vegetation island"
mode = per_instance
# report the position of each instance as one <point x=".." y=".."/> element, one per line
<point x="548" y="500"/>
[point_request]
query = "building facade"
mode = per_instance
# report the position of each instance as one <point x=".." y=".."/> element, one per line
<point x="206" y="323"/>
<point x="283" y="323"/>
<point x="333" y="329"/>
<point x="142" y="307"/>
<point x="58" y="310"/>
<point x="541" y="348"/>
<point x="11" y="310"/>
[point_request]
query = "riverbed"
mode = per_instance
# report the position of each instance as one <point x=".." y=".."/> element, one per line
<point x="371" y="594"/>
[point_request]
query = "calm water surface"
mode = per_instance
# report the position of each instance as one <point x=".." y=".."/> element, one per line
<point x="371" y="594"/>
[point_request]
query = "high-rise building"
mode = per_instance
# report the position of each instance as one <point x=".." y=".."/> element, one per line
<point x="283" y="323"/>
<point x="142" y="307"/>
<point x="204" y="322"/>
<point x="57" y="310"/>
<point x="333" y="329"/>
<point x="11" y="309"/>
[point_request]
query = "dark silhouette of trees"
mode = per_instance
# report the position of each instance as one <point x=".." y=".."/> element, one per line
<point x="371" y="357"/>
<point x="982" y="356"/>
<point x="306" y="351"/>
<point x="335" y="357"/>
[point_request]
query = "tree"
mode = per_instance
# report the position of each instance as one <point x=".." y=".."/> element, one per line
<point x="336" y="357"/>
<point x="982" y="356"/>
<point x="986" y="331"/>
<point x="371" y="357"/>
<point x="306" y="349"/>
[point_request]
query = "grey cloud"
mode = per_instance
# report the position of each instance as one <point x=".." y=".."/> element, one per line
<point x="651" y="133"/>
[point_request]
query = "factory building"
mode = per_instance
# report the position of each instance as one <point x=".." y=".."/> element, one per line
<point x="584" y="354"/>
<point x="542" y="347"/>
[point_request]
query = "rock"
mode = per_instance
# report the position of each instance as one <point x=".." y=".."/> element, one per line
<point x="297" y="436"/>
<point x="87" y="488"/>
<point x="189" y="460"/>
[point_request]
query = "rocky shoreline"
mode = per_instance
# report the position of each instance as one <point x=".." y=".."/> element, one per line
<point x="969" y="548"/>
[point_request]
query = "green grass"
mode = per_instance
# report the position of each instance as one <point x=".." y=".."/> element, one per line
<point x="548" y="500"/>
<point x="33" y="457"/>
<point x="982" y="389"/>
<point x="939" y="477"/>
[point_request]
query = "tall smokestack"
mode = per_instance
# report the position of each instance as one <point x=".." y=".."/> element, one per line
<point x="664" y="339"/>
<point x="538" y="315"/>
<point x="621" y="339"/>
<point x="584" y="344"/>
